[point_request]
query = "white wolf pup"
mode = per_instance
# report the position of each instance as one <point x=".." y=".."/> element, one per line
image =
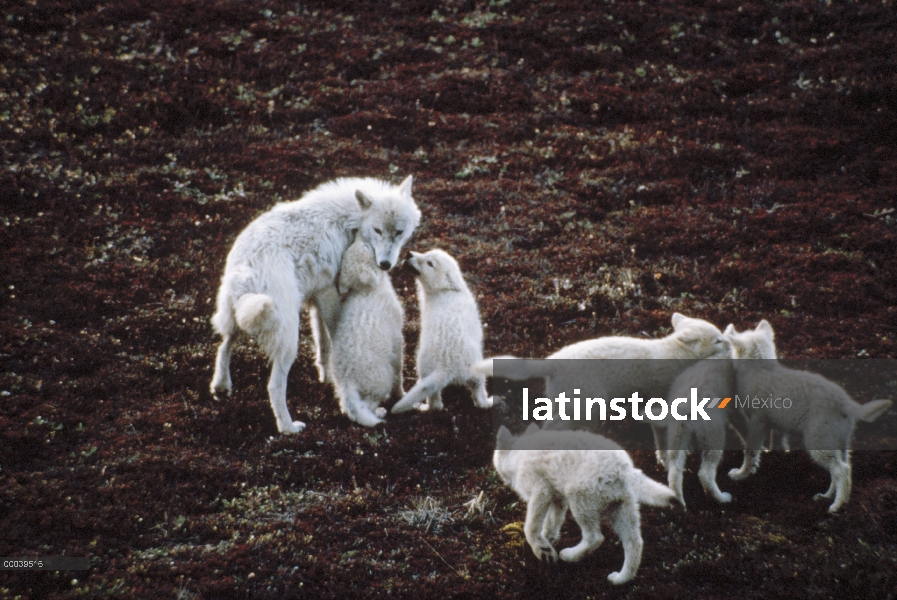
<point x="554" y="471"/>
<point x="367" y="351"/>
<point x="289" y="257"/>
<point x="451" y="335"/>
<point x="820" y="410"/>
<point x="652" y="367"/>
<point x="715" y="378"/>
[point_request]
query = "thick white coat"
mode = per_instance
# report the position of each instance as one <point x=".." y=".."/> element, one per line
<point x="288" y="258"/>
<point x="713" y="378"/>
<point x="821" y="411"/>
<point x="367" y="351"/>
<point x="593" y="477"/>
<point x="451" y="334"/>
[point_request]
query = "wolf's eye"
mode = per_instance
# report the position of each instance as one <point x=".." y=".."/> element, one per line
<point x="400" y="231"/>
<point x="377" y="231"/>
<point x="430" y="262"/>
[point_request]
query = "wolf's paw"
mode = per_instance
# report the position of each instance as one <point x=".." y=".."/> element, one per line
<point x="380" y="412"/>
<point x="422" y="407"/>
<point x="219" y="388"/>
<point x="724" y="497"/>
<point x="487" y="403"/>
<point x="737" y="474"/>
<point x="570" y="555"/>
<point x="546" y="554"/>
<point x="617" y="578"/>
<point x="821" y="496"/>
<point x="294" y="427"/>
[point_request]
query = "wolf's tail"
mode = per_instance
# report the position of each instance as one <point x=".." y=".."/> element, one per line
<point x="649" y="491"/>
<point x="871" y="410"/>
<point x="255" y="313"/>
<point x="517" y="370"/>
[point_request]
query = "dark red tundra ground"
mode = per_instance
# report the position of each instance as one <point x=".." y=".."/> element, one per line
<point x="594" y="166"/>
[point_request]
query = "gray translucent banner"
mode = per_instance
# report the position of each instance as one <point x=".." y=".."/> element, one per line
<point x="707" y="405"/>
<point x="45" y="563"/>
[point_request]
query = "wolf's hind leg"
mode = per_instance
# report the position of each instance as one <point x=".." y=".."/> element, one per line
<point x="477" y="389"/>
<point x="627" y="525"/>
<point x="221" y="382"/>
<point x="277" y="392"/>
<point x="838" y="464"/>
<point x="354" y="407"/>
<point x="588" y="517"/>
<point x="554" y="519"/>
<point x="710" y="460"/>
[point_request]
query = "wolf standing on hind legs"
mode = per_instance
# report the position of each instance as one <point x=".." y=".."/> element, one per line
<point x="288" y="258"/>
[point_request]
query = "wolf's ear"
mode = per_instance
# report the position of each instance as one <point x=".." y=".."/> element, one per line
<point x="363" y="200"/>
<point x="504" y="440"/>
<point x="405" y="187"/>
<point x="414" y="254"/>
<point x="764" y="327"/>
<point x="730" y="330"/>
<point x="678" y="319"/>
<point x="533" y="428"/>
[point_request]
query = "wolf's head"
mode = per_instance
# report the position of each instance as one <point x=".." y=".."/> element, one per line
<point x="756" y="343"/>
<point x="437" y="271"/>
<point x="699" y="338"/>
<point x="358" y="271"/>
<point x="388" y="219"/>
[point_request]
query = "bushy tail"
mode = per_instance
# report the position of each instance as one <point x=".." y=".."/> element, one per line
<point x="649" y="491"/>
<point x="517" y="370"/>
<point x="871" y="410"/>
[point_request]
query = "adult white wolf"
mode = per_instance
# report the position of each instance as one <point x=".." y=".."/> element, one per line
<point x="554" y="471"/>
<point x="451" y="335"/>
<point x="289" y="257"/>
<point x="366" y="357"/>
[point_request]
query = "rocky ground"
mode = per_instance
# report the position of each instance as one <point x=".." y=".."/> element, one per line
<point x="593" y="166"/>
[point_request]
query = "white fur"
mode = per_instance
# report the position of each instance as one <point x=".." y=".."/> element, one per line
<point x="367" y="351"/>
<point x="288" y="258"/>
<point x="821" y="411"/>
<point x="554" y="471"/>
<point x="712" y="378"/>
<point x="451" y="335"/>
<point x="652" y="367"/>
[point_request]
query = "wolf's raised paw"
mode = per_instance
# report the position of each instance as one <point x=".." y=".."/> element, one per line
<point x="380" y="412"/>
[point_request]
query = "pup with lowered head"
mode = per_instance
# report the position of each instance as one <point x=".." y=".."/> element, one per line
<point x="821" y="411"/>
<point x="714" y="378"/>
<point x="651" y="368"/>
<point x="367" y="348"/>
<point x="451" y="335"/>
<point x="553" y="471"/>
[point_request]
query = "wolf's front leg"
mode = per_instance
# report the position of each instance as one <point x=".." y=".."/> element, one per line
<point x="536" y="510"/>
<point x="588" y="517"/>
<point x="753" y="445"/>
<point x="324" y="314"/>
<point x="554" y="519"/>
